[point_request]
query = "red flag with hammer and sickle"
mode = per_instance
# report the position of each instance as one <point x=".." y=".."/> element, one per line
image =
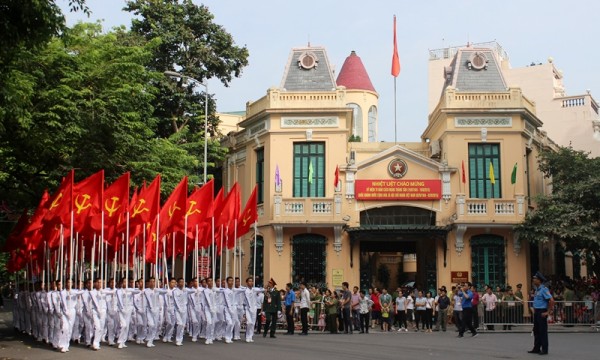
<point x="87" y="201"/>
<point x="249" y="215"/>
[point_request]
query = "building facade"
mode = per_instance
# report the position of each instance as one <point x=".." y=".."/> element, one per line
<point x="436" y="211"/>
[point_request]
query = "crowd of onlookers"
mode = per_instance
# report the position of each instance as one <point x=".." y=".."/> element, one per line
<point x="413" y="309"/>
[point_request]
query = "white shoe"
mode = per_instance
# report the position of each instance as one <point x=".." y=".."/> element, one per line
<point x="178" y="344"/>
<point x="228" y="341"/>
<point x="63" y="350"/>
<point x="194" y="339"/>
<point x="237" y="338"/>
<point x="208" y="342"/>
<point x="95" y="348"/>
<point x="120" y="346"/>
<point x="150" y="344"/>
<point x="165" y="340"/>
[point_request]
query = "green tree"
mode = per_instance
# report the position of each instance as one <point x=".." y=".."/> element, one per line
<point x="86" y="102"/>
<point x="571" y="213"/>
<point x="25" y="24"/>
<point x="193" y="45"/>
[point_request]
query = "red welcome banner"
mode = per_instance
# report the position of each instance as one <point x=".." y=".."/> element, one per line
<point x="408" y="190"/>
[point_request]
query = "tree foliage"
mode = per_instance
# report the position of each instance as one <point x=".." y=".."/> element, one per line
<point x="571" y="213"/>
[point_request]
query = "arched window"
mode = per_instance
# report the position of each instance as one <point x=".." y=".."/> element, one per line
<point x="373" y="124"/>
<point x="259" y="259"/>
<point x="488" y="260"/>
<point x="309" y="259"/>
<point x="357" y="127"/>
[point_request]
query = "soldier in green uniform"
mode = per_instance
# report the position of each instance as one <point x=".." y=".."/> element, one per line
<point x="271" y="305"/>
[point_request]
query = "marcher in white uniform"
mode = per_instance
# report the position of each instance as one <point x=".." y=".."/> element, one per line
<point x="139" y="303"/>
<point x="169" y="312"/>
<point x="124" y="298"/>
<point x="181" y="294"/>
<point x="152" y="302"/>
<point x="250" y="306"/>
<point x="56" y="314"/>
<point x="68" y="301"/>
<point x="210" y="310"/>
<point x="112" y="317"/>
<point x="239" y="307"/>
<point x="88" y="313"/>
<point x="229" y="309"/>
<point x="99" y="309"/>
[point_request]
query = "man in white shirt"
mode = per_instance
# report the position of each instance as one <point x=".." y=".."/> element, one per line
<point x="169" y="312"/>
<point x="490" y="301"/>
<point x="210" y="310"/>
<point x="152" y="298"/>
<point x="99" y="309"/>
<point x="250" y="306"/>
<point x="68" y="301"/>
<point x="139" y="303"/>
<point x="304" y="307"/>
<point x="124" y="297"/>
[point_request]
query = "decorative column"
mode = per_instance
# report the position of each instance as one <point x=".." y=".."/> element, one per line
<point x="337" y="239"/>
<point x="446" y="188"/>
<point x="460" y="233"/>
<point x="278" y="238"/>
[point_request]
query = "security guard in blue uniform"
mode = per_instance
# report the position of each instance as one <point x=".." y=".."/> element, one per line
<point x="543" y="306"/>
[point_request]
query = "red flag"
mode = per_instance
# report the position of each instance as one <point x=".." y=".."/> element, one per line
<point x="464" y="176"/>
<point x="249" y="215"/>
<point x="115" y="205"/>
<point x="230" y="207"/>
<point x="61" y="202"/>
<point x="395" y="57"/>
<point x="199" y="206"/>
<point x="87" y="200"/>
<point x="15" y="239"/>
<point x="336" y="178"/>
<point x="174" y="209"/>
<point x="147" y="204"/>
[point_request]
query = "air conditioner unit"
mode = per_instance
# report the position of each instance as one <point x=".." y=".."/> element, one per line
<point x="436" y="149"/>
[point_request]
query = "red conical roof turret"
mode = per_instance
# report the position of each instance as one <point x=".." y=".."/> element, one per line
<point x="353" y="74"/>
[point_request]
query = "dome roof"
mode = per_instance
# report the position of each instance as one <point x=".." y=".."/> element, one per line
<point x="353" y="74"/>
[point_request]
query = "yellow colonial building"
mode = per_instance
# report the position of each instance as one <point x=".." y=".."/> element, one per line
<point x="436" y="211"/>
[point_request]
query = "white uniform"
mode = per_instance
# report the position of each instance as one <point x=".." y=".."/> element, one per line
<point x="169" y="315"/>
<point x="68" y="302"/>
<point x="181" y="307"/>
<point x="112" y="318"/>
<point x="152" y="303"/>
<point x="99" y="314"/>
<point x="209" y="305"/>
<point x="88" y="317"/>
<point x="250" y="304"/>
<point x="139" y="303"/>
<point x="124" y="311"/>
<point x="239" y="315"/>
<point x="56" y="318"/>
<point x="229" y="311"/>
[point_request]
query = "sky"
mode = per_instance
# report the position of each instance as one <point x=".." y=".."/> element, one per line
<point x="530" y="31"/>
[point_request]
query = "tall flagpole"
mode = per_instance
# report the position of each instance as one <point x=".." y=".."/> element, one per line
<point x="185" y="223"/>
<point x="173" y="257"/>
<point x="127" y="250"/>
<point x="395" y="73"/>
<point x="255" y="246"/>
<point x="214" y="251"/>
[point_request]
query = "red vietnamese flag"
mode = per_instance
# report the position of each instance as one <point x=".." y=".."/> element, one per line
<point x="395" y="57"/>
<point x="226" y="213"/>
<point x="464" y="176"/>
<point x="87" y="200"/>
<point x="174" y="209"/>
<point x="336" y="178"/>
<point x="249" y="215"/>
<point x="61" y="202"/>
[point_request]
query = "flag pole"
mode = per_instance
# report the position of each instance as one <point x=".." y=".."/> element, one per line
<point x="196" y="254"/>
<point x="214" y="251"/>
<point x="157" y="240"/>
<point x="173" y="256"/>
<point x="144" y="254"/>
<point x="185" y="223"/>
<point x="255" y="246"/>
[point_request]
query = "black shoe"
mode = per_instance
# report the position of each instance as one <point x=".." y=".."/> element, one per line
<point x="273" y="336"/>
<point x="362" y="332"/>
<point x="534" y="351"/>
<point x="543" y="353"/>
<point x="264" y="335"/>
<point x="460" y="335"/>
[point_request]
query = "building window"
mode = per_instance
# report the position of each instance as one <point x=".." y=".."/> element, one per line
<point x="260" y="175"/>
<point x="481" y="183"/>
<point x="357" y="128"/>
<point x="373" y="124"/>
<point x="309" y="259"/>
<point x="259" y="260"/>
<point x="488" y="260"/>
<point x="309" y="169"/>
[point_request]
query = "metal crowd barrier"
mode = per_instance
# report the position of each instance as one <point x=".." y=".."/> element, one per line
<point x="512" y="315"/>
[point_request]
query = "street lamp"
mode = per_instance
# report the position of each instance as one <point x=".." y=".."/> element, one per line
<point x="184" y="77"/>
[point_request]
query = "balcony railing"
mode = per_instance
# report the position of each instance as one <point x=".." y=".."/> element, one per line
<point x="302" y="209"/>
<point x="488" y="209"/>
<point x="278" y="99"/>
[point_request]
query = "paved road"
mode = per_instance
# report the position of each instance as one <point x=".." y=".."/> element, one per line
<point x="319" y="346"/>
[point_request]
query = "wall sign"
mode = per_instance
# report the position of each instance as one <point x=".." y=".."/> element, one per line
<point x="459" y="276"/>
<point x="407" y="190"/>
